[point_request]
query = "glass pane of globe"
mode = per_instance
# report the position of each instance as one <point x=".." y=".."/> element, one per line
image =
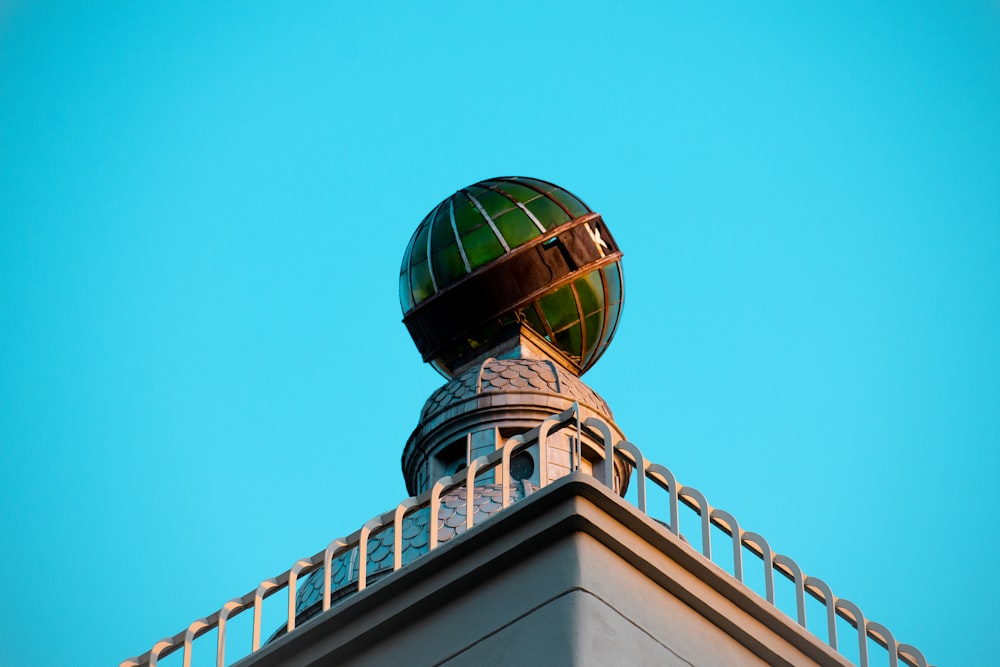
<point x="441" y="232"/>
<point x="548" y="212"/>
<point x="574" y="205"/>
<point x="591" y="292"/>
<point x="467" y="216"/>
<point x="516" y="227"/>
<point x="481" y="245"/>
<point x="612" y="274"/>
<point x="521" y="193"/>
<point x="559" y="307"/>
<point x="570" y="341"/>
<point x="420" y="277"/>
<point x="592" y="330"/>
<point x="405" y="298"/>
<point x="419" y="251"/>
<point x="448" y="265"/>
<point x="494" y="202"/>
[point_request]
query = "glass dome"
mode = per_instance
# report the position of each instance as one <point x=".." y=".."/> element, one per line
<point x="505" y="254"/>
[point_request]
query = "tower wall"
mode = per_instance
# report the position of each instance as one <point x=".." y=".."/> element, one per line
<point x="475" y="413"/>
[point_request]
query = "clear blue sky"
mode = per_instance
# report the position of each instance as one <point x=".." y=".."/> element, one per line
<point x="203" y="206"/>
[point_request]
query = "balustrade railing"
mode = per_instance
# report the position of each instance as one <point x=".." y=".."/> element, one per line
<point x="660" y="476"/>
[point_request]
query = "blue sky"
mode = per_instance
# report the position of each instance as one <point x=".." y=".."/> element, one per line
<point x="203" y="206"/>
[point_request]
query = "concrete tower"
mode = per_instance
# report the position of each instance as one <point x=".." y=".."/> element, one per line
<point x="515" y="545"/>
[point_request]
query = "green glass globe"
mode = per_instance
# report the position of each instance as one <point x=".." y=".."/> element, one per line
<point x="508" y="255"/>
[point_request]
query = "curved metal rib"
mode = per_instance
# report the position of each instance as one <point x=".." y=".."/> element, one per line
<point x="265" y="589"/>
<point x="508" y="447"/>
<point x="758" y="541"/>
<point x="609" y="449"/>
<point x="662" y="475"/>
<point x="881" y="632"/>
<point x="851" y="611"/>
<point x="640" y="470"/>
<point x="695" y="496"/>
<point x="913" y="654"/>
<point x="819" y="588"/>
<point x="470" y="484"/>
<point x="304" y="565"/>
<point x="334" y="547"/>
<point x="366" y="531"/>
<point x="735" y="533"/>
<point x="199" y="627"/>
<point x="445" y="483"/>
<point x="800" y="590"/>
<point x="397" y="530"/>
<point x="230" y="609"/>
<point x="158" y="648"/>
